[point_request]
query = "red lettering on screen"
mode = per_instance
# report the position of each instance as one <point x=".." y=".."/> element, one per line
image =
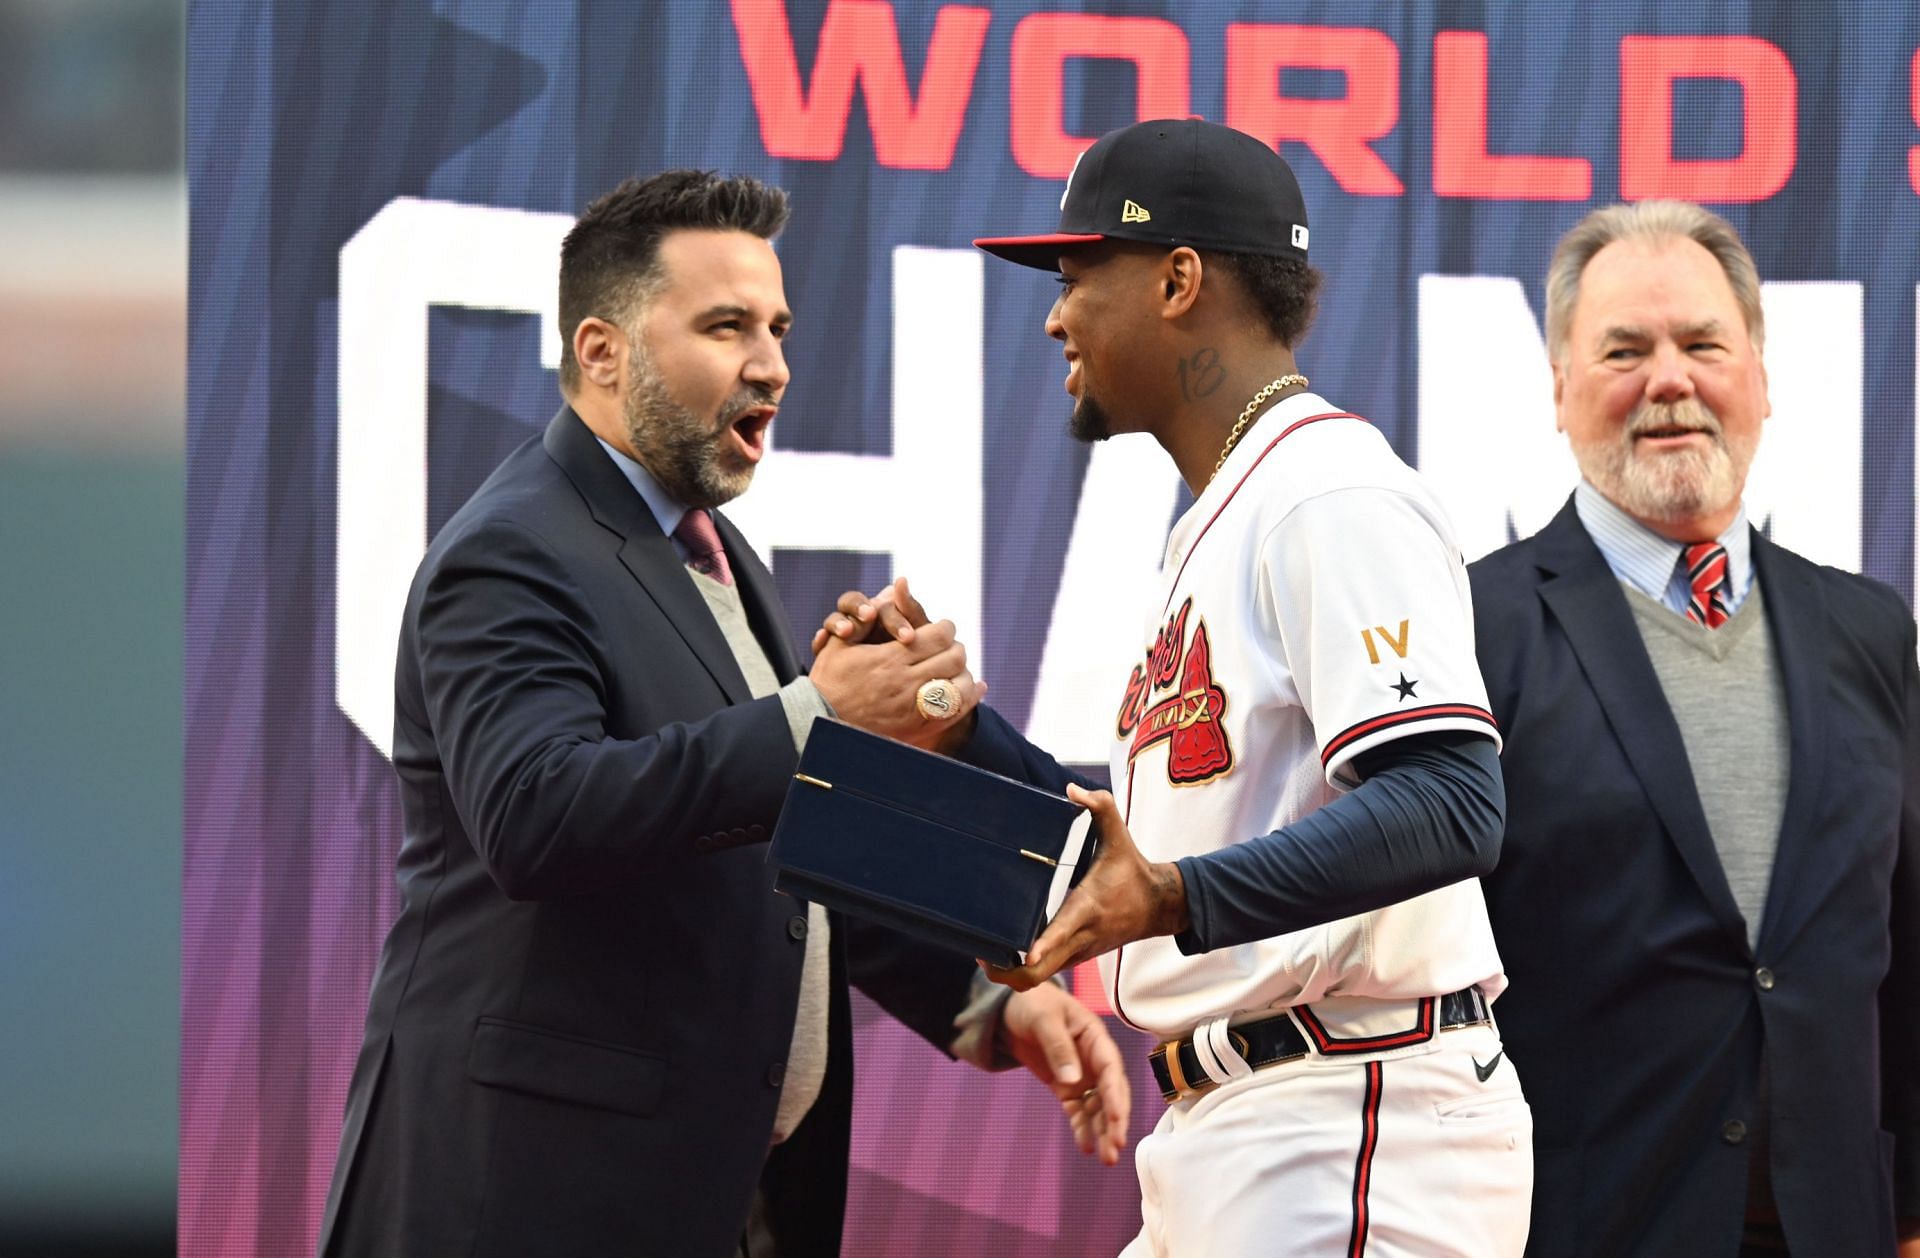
<point x="859" y="43"/>
<point x="1042" y="45"/>
<point x="1649" y="67"/>
<point x="1336" y="131"/>
<point x="859" y="49"/>
<point x="1462" y="166"/>
<point x="1913" y="154"/>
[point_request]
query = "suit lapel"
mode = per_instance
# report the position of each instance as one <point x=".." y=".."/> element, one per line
<point x="1797" y="618"/>
<point x="645" y="551"/>
<point x="1584" y="597"/>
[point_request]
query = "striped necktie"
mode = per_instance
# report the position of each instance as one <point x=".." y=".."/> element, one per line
<point x="1706" y="583"/>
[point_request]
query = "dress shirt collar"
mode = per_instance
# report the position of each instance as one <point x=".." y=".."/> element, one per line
<point x="1649" y="562"/>
<point x="658" y="500"/>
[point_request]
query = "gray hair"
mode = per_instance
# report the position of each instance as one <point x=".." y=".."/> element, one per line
<point x="1647" y="220"/>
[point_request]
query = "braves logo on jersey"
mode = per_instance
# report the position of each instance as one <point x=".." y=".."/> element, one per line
<point x="1189" y="720"/>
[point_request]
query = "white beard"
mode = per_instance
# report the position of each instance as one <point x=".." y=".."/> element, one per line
<point x="1673" y="486"/>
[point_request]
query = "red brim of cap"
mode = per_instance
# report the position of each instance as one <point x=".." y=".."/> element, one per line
<point x="1039" y="252"/>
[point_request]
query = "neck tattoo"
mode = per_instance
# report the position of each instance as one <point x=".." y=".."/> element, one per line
<point x="1240" y="425"/>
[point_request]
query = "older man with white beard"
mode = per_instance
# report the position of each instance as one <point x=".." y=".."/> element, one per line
<point x="1709" y="895"/>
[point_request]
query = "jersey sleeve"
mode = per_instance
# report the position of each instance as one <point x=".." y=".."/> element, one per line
<point x="1368" y="597"/>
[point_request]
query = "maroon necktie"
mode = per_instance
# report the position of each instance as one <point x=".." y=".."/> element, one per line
<point x="1706" y="584"/>
<point x="704" y="553"/>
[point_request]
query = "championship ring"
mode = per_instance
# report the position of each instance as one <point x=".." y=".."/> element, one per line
<point x="937" y="699"/>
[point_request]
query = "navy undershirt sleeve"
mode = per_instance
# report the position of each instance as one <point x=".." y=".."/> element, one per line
<point x="1430" y="811"/>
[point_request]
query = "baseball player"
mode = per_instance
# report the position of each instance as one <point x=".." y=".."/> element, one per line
<point x="1306" y="773"/>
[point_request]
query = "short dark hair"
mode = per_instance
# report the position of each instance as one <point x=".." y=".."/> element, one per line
<point x="1283" y="290"/>
<point x="610" y="260"/>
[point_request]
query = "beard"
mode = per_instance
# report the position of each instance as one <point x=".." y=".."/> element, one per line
<point x="1675" y="486"/>
<point x="1089" y="422"/>
<point x="690" y="457"/>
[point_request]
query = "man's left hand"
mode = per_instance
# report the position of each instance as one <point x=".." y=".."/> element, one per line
<point x="1067" y="1047"/>
<point x="1124" y="897"/>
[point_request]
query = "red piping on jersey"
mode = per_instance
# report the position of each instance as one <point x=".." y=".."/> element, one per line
<point x="1363" y="1163"/>
<point x="1374" y="725"/>
<point x="1330" y="1045"/>
<point x="1290" y="429"/>
<point x="1120" y="953"/>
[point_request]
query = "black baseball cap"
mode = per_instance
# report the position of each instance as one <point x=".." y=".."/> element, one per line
<point x="1173" y="181"/>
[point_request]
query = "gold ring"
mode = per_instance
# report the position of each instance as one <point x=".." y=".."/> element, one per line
<point x="1088" y="1095"/>
<point x="937" y="700"/>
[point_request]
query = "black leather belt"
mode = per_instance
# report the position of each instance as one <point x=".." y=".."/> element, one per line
<point x="1270" y="1041"/>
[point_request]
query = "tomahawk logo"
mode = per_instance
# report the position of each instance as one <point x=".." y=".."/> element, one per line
<point x="1189" y="720"/>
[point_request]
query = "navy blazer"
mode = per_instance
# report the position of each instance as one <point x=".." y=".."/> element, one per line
<point x="578" y="1028"/>
<point x="1638" y="1009"/>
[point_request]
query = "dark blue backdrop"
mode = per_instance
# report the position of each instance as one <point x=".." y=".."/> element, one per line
<point x="307" y="123"/>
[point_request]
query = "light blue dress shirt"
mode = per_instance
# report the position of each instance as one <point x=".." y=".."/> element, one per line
<point x="668" y="512"/>
<point x="1651" y="563"/>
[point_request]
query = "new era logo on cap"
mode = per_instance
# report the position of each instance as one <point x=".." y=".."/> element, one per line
<point x="1209" y="186"/>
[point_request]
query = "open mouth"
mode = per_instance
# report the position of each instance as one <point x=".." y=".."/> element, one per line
<point x="750" y="431"/>
<point x="1073" y="369"/>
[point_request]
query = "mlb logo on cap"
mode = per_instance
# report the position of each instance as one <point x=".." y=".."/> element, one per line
<point x="1173" y="181"/>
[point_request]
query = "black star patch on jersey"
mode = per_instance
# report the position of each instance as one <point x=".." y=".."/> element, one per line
<point x="1404" y="686"/>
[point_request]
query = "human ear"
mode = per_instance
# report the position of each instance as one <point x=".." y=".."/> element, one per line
<point x="1181" y="273"/>
<point x="599" y="347"/>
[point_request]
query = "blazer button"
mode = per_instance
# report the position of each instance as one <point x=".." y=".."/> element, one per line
<point x="1734" y="1132"/>
<point x="1763" y="979"/>
<point x="757" y="832"/>
<point x="704" y="843"/>
<point x="797" y="927"/>
<point x="776" y="1074"/>
<point x="737" y="835"/>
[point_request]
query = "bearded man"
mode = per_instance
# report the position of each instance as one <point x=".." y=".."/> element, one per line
<point x="1708" y="900"/>
<point x="596" y="1028"/>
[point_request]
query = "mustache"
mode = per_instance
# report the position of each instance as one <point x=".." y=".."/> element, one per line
<point x="747" y="399"/>
<point x="1690" y="414"/>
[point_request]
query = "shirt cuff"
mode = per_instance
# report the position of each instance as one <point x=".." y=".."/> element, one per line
<point x="1193" y="940"/>
<point x="803" y="701"/>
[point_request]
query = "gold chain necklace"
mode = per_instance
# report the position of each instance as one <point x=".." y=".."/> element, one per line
<point x="1240" y="425"/>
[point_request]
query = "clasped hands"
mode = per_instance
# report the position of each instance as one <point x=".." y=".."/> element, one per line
<point x="870" y="671"/>
<point x="1122" y="898"/>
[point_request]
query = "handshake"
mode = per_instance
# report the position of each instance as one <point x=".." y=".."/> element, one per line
<point x="883" y="667"/>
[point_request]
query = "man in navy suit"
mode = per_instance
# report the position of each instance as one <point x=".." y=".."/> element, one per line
<point x="596" y="1028"/>
<point x="1709" y="896"/>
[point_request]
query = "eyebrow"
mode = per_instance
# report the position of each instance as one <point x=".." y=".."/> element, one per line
<point x="1686" y="331"/>
<point x="740" y="312"/>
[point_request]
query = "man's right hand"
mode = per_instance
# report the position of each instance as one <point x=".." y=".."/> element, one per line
<point x="873" y="685"/>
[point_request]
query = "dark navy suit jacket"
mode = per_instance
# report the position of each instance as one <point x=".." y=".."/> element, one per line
<point x="1638" y="1010"/>
<point x="578" y="1029"/>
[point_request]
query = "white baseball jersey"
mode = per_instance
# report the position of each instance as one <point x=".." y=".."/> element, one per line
<point x="1313" y="604"/>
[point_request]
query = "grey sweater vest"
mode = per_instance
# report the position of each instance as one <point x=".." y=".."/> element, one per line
<point x="1727" y="697"/>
